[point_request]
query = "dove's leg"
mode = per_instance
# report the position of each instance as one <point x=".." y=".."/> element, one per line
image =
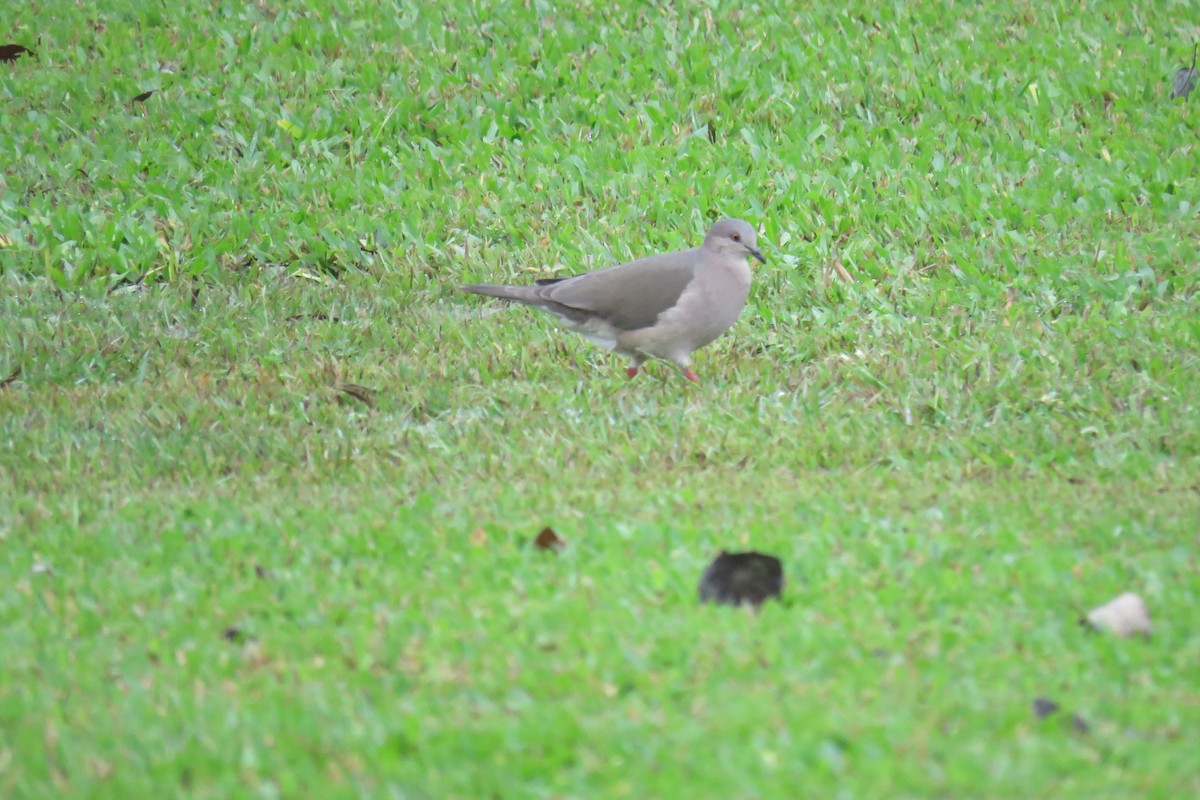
<point x="635" y="364"/>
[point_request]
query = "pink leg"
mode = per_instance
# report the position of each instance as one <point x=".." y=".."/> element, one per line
<point x="691" y="376"/>
<point x="632" y="372"/>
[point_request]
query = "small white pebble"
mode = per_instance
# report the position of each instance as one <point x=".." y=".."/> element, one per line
<point x="1124" y="616"/>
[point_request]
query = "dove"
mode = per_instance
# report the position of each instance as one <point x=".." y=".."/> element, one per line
<point x="661" y="307"/>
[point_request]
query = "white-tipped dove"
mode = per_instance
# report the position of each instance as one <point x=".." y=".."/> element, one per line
<point x="663" y="306"/>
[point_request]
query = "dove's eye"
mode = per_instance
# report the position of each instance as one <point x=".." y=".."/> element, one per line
<point x="737" y="237"/>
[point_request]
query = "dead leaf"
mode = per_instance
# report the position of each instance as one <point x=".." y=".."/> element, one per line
<point x="16" y="373"/>
<point x="363" y="394"/>
<point x="841" y="271"/>
<point x="1185" y="79"/>
<point x="478" y="537"/>
<point x="255" y="655"/>
<point x="1183" y="83"/>
<point x="99" y="768"/>
<point x="11" y="52"/>
<point x="319" y="317"/>
<point x="143" y="97"/>
<point x="549" y="540"/>
<point x="1044" y="707"/>
<point x="742" y="578"/>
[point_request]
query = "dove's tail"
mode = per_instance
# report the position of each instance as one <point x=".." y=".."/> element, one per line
<point x="517" y="294"/>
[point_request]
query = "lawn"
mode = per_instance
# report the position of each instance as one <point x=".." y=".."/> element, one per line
<point x="269" y="484"/>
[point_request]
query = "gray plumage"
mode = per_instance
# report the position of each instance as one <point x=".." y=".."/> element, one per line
<point x="663" y="306"/>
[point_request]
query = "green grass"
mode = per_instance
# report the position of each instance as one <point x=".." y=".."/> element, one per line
<point x="961" y="405"/>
